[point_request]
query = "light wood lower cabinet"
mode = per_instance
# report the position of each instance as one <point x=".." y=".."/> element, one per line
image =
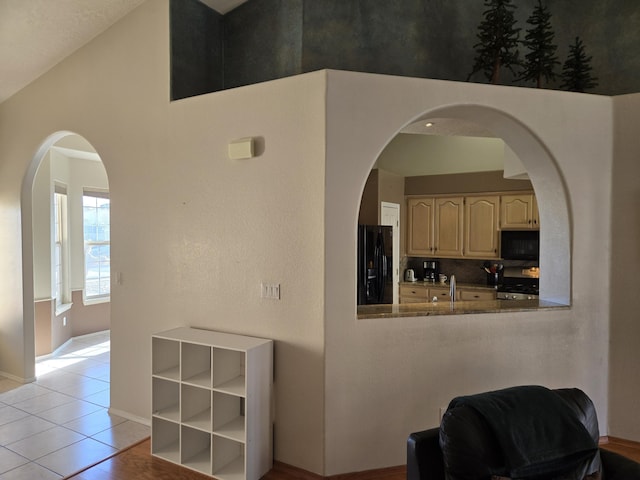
<point x="422" y="293"/>
<point x="211" y="402"/>
<point x="418" y="293"/>
<point x="443" y="293"/>
<point x="477" y="294"/>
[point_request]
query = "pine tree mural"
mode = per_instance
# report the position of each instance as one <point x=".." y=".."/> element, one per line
<point x="541" y="61"/>
<point x="576" y="71"/>
<point x="499" y="39"/>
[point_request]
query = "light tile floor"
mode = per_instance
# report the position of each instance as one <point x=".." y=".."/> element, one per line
<point x="60" y="424"/>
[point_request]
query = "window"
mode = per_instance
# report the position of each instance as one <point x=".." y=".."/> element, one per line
<point x="60" y="284"/>
<point x="97" y="247"/>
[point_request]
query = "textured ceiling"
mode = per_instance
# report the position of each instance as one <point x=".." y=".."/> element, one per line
<point x="447" y="127"/>
<point x="35" y="35"/>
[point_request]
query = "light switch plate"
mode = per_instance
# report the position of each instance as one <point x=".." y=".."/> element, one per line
<point x="270" y="290"/>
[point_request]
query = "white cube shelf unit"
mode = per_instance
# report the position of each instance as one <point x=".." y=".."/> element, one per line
<point x="211" y="402"/>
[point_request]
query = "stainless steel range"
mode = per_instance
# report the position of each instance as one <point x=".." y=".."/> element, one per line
<point x="519" y="283"/>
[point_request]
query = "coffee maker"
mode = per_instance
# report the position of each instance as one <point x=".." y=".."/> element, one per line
<point x="431" y="270"/>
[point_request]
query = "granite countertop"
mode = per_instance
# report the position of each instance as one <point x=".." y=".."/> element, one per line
<point x="454" y="308"/>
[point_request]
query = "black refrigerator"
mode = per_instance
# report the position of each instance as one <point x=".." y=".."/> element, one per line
<point x="375" y="264"/>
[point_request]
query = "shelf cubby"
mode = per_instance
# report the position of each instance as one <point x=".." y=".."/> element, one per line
<point x="165" y="358"/>
<point x="196" y="364"/>
<point x="196" y="449"/>
<point x="165" y="439"/>
<point x="166" y="399"/>
<point x="228" y="459"/>
<point x="228" y="416"/>
<point x="228" y="371"/>
<point x="196" y="407"/>
<point x="211" y="402"/>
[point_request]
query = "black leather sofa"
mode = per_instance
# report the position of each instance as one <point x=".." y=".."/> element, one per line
<point x="555" y="433"/>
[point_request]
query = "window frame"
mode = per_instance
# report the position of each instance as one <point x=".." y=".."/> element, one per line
<point x="104" y="297"/>
<point x="60" y="289"/>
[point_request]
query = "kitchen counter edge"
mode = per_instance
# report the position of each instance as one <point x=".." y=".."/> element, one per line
<point x="428" y="309"/>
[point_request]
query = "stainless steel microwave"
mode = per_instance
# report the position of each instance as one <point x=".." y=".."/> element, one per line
<point x="520" y="244"/>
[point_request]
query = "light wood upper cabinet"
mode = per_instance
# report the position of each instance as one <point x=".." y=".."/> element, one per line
<point x="420" y="226"/>
<point x="481" y="226"/>
<point x="448" y="228"/>
<point x="519" y="211"/>
<point x="467" y="226"/>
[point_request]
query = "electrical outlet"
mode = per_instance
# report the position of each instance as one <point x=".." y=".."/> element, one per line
<point x="270" y="290"/>
<point x="64" y="321"/>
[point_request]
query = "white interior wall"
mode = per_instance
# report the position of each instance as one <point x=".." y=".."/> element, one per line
<point x="387" y="378"/>
<point x="195" y="233"/>
<point x="42" y="235"/>
<point x="625" y="251"/>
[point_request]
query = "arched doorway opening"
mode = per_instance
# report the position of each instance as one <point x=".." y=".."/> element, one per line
<point x="527" y="158"/>
<point x="66" y="246"/>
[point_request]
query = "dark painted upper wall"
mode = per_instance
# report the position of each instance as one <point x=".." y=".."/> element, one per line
<point x="268" y="39"/>
<point x="435" y="38"/>
<point x="262" y="41"/>
<point x="196" y="49"/>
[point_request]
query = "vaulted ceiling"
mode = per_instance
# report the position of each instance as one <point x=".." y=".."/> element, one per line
<point x="35" y="35"/>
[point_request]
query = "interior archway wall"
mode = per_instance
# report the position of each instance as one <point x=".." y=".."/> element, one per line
<point x="27" y="250"/>
<point x="394" y="375"/>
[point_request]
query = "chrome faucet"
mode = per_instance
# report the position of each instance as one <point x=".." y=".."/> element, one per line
<point x="452" y="288"/>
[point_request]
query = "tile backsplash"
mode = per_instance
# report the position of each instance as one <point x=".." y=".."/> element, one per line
<point x="465" y="270"/>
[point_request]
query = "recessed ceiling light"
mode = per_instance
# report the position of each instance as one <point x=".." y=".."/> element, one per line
<point x="428" y="124"/>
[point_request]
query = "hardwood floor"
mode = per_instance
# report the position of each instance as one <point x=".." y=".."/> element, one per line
<point x="136" y="463"/>
<point x="623" y="447"/>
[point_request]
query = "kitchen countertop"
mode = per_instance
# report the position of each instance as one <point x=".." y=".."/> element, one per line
<point x="454" y="308"/>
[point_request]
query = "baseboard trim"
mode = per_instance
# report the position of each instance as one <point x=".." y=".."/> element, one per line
<point x="289" y="471"/>
<point x="620" y="441"/>
<point x="67" y="343"/>
<point x="128" y="416"/>
<point x="16" y="378"/>
<point x="391" y="472"/>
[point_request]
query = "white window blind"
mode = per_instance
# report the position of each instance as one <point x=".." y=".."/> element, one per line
<point x="96" y="208"/>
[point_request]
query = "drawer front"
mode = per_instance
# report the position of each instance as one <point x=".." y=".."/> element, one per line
<point x="417" y="292"/>
<point x="412" y="300"/>
<point x="442" y="293"/>
<point x="477" y="295"/>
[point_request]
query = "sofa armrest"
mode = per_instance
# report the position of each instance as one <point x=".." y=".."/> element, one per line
<point x="424" y="457"/>
<point x="618" y="467"/>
